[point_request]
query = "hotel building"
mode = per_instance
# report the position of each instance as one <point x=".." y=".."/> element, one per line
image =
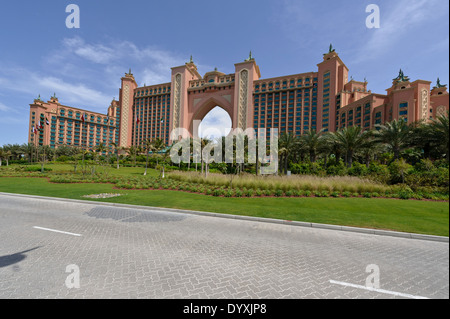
<point x="324" y="99"/>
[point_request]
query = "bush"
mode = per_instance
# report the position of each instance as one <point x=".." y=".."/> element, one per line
<point x="37" y="169"/>
<point x="334" y="194"/>
<point x="346" y="194"/>
<point x="399" y="170"/>
<point x="357" y="169"/>
<point x="337" y="169"/>
<point x="289" y="193"/>
<point x="278" y="193"/>
<point x="249" y="193"/>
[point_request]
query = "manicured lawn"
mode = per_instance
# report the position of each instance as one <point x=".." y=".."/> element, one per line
<point x="424" y="217"/>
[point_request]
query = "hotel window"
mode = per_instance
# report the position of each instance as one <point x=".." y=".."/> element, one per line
<point x="403" y="109"/>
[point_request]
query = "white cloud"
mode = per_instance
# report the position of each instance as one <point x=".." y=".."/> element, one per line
<point x="34" y="83"/>
<point x="3" y="107"/>
<point x="87" y="75"/>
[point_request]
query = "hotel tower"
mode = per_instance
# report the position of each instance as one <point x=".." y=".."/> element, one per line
<point x="323" y="99"/>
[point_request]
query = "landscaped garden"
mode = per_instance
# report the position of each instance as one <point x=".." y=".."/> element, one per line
<point x="395" y="178"/>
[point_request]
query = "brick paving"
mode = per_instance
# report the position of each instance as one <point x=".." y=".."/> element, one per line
<point x="136" y="253"/>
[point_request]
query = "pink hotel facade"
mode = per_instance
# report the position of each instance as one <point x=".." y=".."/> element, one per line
<point x="323" y="99"/>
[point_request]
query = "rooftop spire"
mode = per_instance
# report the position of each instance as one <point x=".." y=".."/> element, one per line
<point x="401" y="77"/>
<point x="250" y="57"/>
<point x="330" y="49"/>
<point x="439" y="85"/>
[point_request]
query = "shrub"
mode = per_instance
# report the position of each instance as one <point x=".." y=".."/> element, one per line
<point x="278" y="193"/>
<point x="267" y="192"/>
<point x="357" y="169"/>
<point x="249" y="193"/>
<point x="289" y="193"/>
<point x="404" y="194"/>
<point x="399" y="170"/>
<point x="346" y="194"/>
<point x="334" y="194"/>
<point x="298" y="193"/>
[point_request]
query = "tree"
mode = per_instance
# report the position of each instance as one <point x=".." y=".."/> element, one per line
<point x="158" y="146"/>
<point x="148" y="147"/>
<point x="396" y="134"/>
<point x="312" y="142"/>
<point x="2" y="155"/>
<point x="351" y="139"/>
<point x="286" y="145"/>
<point x="164" y="159"/>
<point x="440" y="133"/>
<point x="100" y="149"/>
<point x="116" y="151"/>
<point x="132" y="150"/>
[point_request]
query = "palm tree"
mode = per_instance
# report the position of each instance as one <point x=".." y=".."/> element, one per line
<point x="286" y="145"/>
<point x="327" y="146"/>
<point x="158" y="146"/>
<point x="116" y="150"/>
<point x="396" y="134"/>
<point x="148" y="147"/>
<point x="2" y="155"/>
<point x="351" y="139"/>
<point x="440" y="133"/>
<point x="100" y="149"/>
<point x="312" y="140"/>
<point x="164" y="159"/>
<point x="132" y="150"/>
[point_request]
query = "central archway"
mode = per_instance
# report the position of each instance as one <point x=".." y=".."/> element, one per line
<point x="216" y="113"/>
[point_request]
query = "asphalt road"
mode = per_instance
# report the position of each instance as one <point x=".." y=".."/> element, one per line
<point x="56" y="249"/>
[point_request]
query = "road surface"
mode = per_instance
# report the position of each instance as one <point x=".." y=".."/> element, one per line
<point x="63" y="249"/>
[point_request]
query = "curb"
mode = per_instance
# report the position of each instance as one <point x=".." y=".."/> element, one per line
<point x="250" y="218"/>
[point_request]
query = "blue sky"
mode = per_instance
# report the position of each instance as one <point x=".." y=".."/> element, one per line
<point x="39" y="55"/>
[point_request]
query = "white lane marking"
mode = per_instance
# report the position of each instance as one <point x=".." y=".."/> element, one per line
<point x="399" y="294"/>
<point x="57" y="231"/>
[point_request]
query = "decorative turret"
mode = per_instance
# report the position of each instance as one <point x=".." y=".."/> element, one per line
<point x="330" y="49"/>
<point x="250" y="57"/>
<point x="439" y="85"/>
<point x="401" y="77"/>
<point x="439" y="89"/>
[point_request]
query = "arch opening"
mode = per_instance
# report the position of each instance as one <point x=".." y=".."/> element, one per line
<point x="215" y="124"/>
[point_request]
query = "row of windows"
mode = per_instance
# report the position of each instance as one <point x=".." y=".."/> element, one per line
<point x="143" y="92"/>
